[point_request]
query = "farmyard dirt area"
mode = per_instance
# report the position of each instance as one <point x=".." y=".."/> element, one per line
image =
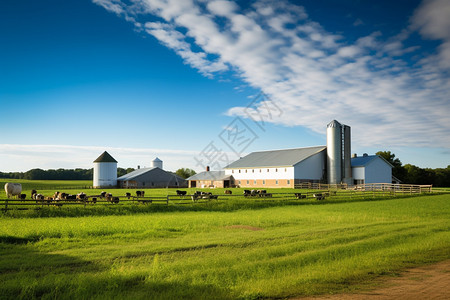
<point x="427" y="282"/>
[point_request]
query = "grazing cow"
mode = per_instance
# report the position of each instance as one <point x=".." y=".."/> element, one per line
<point x="229" y="192"/>
<point x="108" y="197"/>
<point x="103" y="194"/>
<point x="94" y="200"/>
<point x="247" y="193"/>
<point x="23" y="196"/>
<point x="39" y="198"/>
<point x="33" y="192"/>
<point x="299" y="196"/>
<point x="81" y="196"/>
<point x="128" y="195"/>
<point x="13" y="189"/>
<point x="319" y="196"/>
<point x="138" y="193"/>
<point x="181" y="193"/>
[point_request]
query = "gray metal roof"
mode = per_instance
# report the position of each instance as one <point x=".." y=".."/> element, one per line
<point x="105" y="157"/>
<point x="275" y="158"/>
<point x="210" y="175"/>
<point x="362" y="161"/>
<point x="135" y="173"/>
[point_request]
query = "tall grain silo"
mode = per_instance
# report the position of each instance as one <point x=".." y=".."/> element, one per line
<point x="347" y="165"/>
<point x="105" y="171"/>
<point x="157" y="163"/>
<point x="334" y="152"/>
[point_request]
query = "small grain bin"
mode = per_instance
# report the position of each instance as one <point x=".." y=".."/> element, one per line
<point x="157" y="163"/>
<point x="105" y="171"/>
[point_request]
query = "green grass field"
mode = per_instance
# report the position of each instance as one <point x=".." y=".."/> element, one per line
<point x="249" y="252"/>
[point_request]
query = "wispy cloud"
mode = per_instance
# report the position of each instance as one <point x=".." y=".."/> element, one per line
<point x="314" y="75"/>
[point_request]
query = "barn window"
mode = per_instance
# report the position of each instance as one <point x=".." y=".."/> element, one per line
<point x="239" y="171"/>
<point x="253" y="171"/>
<point x="245" y="170"/>
<point x="276" y="170"/>
<point x="260" y="170"/>
<point x="232" y="171"/>
<point x="239" y="182"/>
<point x="248" y="182"/>
<point x="276" y="181"/>
<point x="264" y="182"/>
<point x="288" y="181"/>
<point x="267" y="170"/>
<point x="254" y="182"/>
<point x="285" y="169"/>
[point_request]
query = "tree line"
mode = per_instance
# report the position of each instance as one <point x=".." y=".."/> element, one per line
<point x="415" y="175"/>
<point x="58" y="174"/>
<point x="74" y="174"/>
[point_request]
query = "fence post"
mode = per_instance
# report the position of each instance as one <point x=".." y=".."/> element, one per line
<point x="6" y="204"/>
<point x="167" y="202"/>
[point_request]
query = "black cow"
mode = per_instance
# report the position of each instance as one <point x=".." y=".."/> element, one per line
<point x="181" y="193"/>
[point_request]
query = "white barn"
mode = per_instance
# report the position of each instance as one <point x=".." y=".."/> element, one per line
<point x="371" y="169"/>
<point x="279" y="168"/>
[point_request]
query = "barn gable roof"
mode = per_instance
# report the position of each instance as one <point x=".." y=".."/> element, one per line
<point x="363" y="161"/>
<point x="275" y="158"/>
<point x="135" y="173"/>
<point x="105" y="157"/>
<point x="146" y="173"/>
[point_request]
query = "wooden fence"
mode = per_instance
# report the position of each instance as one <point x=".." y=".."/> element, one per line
<point x="317" y="192"/>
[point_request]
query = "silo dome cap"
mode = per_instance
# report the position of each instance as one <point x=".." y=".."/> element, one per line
<point x="105" y="157"/>
<point x="333" y="124"/>
<point x="157" y="160"/>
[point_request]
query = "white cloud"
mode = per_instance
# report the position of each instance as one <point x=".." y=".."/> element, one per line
<point x="432" y="20"/>
<point x="313" y="75"/>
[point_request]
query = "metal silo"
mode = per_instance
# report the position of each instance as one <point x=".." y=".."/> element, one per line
<point x="105" y="171"/>
<point x="334" y="152"/>
<point x="157" y="163"/>
<point x="347" y="165"/>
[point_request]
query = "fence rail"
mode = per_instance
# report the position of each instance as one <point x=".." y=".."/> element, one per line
<point x="317" y="192"/>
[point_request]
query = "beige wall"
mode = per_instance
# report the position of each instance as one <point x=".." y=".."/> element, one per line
<point x="267" y="183"/>
<point x="207" y="183"/>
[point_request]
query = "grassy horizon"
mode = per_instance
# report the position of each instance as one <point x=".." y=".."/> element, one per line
<point x="273" y="252"/>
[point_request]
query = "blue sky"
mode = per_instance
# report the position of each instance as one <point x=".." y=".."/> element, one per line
<point x="199" y="83"/>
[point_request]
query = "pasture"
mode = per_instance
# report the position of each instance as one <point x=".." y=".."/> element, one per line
<point x="266" y="249"/>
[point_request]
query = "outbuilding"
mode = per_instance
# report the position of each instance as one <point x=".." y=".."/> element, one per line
<point x="370" y="169"/>
<point x="153" y="177"/>
<point x="215" y="179"/>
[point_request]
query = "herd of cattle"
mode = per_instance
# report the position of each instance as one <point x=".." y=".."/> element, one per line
<point x="15" y="190"/>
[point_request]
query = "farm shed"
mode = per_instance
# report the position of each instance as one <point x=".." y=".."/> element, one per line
<point x="371" y="169"/>
<point x="153" y="177"/>
<point x="105" y="171"/>
<point x="211" y="179"/>
<point x="279" y="168"/>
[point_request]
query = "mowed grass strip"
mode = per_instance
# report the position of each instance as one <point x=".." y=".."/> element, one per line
<point x="248" y="254"/>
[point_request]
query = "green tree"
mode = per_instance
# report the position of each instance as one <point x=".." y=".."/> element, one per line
<point x="185" y="172"/>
